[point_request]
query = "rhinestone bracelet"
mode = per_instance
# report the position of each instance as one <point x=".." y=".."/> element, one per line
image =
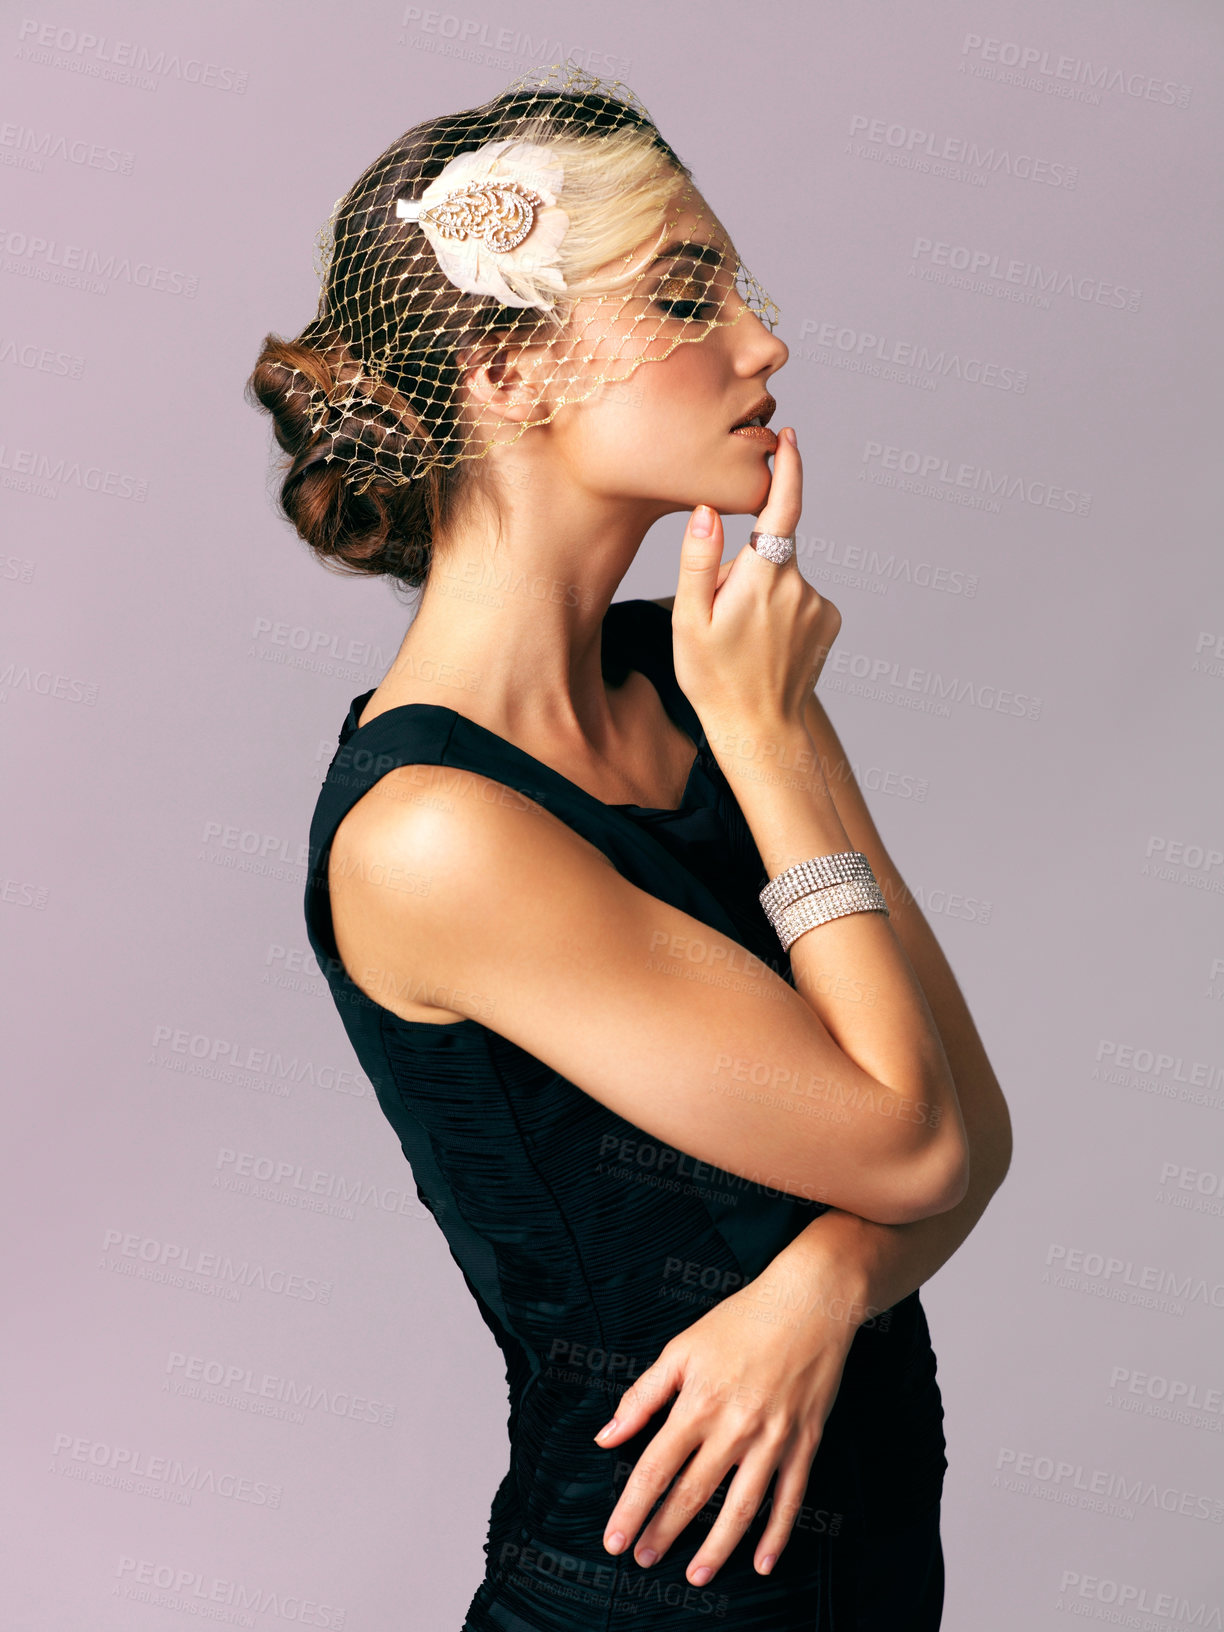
<point x="834" y="901"/>
<point x="815" y="874"/>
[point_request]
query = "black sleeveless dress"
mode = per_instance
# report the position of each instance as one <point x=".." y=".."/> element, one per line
<point x="588" y="1244"/>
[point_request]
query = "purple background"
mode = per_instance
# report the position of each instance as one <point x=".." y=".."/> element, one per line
<point x="175" y="669"/>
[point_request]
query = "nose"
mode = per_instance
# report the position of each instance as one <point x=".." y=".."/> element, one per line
<point x="758" y="350"/>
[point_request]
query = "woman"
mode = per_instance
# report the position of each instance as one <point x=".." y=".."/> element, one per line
<point x="678" y="1065"/>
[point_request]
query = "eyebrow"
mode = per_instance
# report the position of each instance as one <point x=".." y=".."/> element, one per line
<point x="709" y="253"/>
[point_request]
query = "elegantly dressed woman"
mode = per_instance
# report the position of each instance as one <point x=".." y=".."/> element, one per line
<point x="680" y="1069"/>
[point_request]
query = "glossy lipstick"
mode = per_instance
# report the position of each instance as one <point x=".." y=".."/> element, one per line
<point x="762" y="410"/>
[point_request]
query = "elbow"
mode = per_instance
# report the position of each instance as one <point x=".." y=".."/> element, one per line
<point x="936" y="1183"/>
<point x="1000" y="1148"/>
<point x="940" y="1176"/>
<point x="991" y="1146"/>
<point x="950" y="1185"/>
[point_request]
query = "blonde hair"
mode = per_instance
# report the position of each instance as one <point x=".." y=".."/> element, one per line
<point x="366" y="402"/>
<point x="616" y="196"/>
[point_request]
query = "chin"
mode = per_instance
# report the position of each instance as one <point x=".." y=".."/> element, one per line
<point x="741" y="493"/>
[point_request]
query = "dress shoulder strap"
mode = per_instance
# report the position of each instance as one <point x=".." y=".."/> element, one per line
<point x="643" y="640"/>
<point x="431" y="734"/>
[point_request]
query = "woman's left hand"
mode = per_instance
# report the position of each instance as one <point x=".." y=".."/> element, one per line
<point x="757" y="1376"/>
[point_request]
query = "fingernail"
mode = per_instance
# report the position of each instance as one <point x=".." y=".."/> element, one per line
<point x="701" y="1576"/>
<point x="615" y="1542"/>
<point x="789" y="434"/>
<point x="702" y="523"/>
<point x="607" y="1428"/>
<point x="647" y="1557"/>
<point x="768" y="1562"/>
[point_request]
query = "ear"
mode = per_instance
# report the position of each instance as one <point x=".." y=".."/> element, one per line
<point x="498" y="379"/>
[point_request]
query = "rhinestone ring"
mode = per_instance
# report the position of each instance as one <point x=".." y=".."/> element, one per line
<point x="773" y="546"/>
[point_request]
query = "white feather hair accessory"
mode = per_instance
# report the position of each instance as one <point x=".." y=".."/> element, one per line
<point x="493" y="221"/>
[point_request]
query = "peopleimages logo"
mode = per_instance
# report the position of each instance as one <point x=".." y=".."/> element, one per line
<point x="914" y="686"/>
<point x="1173" y="1391"/>
<point x="218" y="1598"/>
<point x="76" y="266"/>
<point x="233" y="1060"/>
<point x="27" y="148"/>
<point x="471" y="39"/>
<point x="1030" y="1473"/>
<point x="1154" y="1286"/>
<point x="282" y="1178"/>
<point x="964" y="263"/>
<point x="44" y="359"/>
<point x="1193" y="1072"/>
<point x="955" y="155"/>
<point x="1129" y="1599"/>
<point x="1060" y="70"/>
<point x="33" y="470"/>
<point x="177" y="1264"/>
<point x="225" y="1382"/>
<point x="65" y="688"/>
<point x="931" y="469"/>
<point x="132" y="1468"/>
<point x="924" y="359"/>
<point x="99" y="56"/>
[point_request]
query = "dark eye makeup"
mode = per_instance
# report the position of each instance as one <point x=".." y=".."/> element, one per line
<point x="680" y="294"/>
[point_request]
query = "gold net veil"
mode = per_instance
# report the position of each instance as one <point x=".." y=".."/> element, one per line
<point x="551" y="231"/>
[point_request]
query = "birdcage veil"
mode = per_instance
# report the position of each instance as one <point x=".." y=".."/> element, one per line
<point x="552" y="224"/>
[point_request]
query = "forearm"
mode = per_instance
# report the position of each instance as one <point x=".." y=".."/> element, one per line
<point x="879" y="1264"/>
<point x="853" y="971"/>
<point x="867" y="1267"/>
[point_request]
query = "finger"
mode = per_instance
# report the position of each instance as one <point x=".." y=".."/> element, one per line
<point x="740" y="1506"/>
<point x="692" y="1489"/>
<point x="784" y="504"/>
<point x="700" y="556"/>
<point x="793" y="1473"/>
<point x="650" y="1389"/>
<point x="652" y="1473"/>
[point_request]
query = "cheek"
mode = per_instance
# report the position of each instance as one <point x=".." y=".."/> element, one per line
<point x="680" y="398"/>
<point x="641" y="435"/>
<point x="632" y="447"/>
<point x="693" y="374"/>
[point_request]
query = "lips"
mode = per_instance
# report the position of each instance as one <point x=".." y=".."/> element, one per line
<point x="752" y="425"/>
<point x="758" y="416"/>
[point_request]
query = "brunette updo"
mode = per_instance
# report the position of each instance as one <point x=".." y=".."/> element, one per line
<point x="334" y="489"/>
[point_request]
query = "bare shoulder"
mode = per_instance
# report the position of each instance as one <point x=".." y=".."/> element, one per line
<point x="419" y="853"/>
<point x="442" y="817"/>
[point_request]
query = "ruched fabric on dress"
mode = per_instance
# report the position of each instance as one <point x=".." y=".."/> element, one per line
<point x="564" y="1218"/>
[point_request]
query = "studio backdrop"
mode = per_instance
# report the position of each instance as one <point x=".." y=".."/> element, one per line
<point x="245" y="1382"/>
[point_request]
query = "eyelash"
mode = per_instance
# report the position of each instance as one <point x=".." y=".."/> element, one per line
<point x="698" y="306"/>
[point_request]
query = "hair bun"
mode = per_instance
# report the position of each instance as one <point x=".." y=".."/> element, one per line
<point x="368" y="402"/>
<point x="333" y="421"/>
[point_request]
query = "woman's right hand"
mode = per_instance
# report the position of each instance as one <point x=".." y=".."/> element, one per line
<point x="750" y="638"/>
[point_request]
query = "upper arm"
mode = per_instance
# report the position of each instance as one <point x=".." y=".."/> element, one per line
<point x="522" y="924"/>
<point x="962" y="1043"/>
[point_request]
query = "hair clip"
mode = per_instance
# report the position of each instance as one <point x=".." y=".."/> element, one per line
<point x="492" y="220"/>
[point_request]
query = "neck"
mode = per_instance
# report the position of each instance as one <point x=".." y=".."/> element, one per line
<point x="508" y="627"/>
